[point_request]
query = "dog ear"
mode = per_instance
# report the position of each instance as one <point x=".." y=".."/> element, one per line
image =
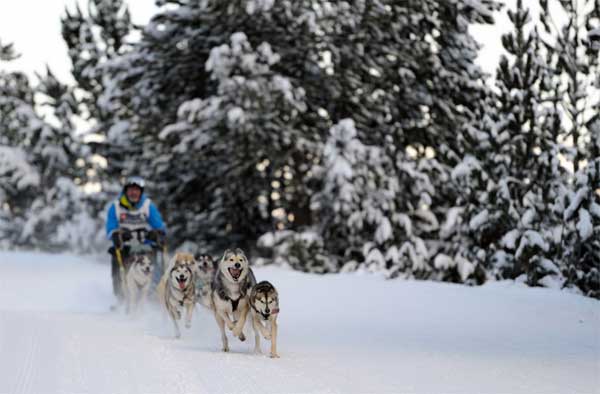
<point x="245" y="258"/>
<point x="172" y="261"/>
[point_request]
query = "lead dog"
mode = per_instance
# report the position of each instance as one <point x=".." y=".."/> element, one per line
<point x="137" y="281"/>
<point x="264" y="303"/>
<point x="177" y="289"/>
<point x="230" y="292"/>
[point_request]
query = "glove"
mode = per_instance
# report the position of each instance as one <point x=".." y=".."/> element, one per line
<point x="157" y="236"/>
<point x="120" y="236"/>
<point x="126" y="235"/>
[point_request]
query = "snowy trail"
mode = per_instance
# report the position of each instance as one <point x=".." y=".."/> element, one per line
<point x="338" y="334"/>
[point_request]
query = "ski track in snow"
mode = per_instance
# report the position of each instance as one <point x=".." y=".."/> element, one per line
<point x="345" y="333"/>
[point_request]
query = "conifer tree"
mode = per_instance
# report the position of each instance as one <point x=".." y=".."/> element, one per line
<point x="573" y="56"/>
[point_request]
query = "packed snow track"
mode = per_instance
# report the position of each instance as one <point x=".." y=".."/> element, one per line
<point x="347" y="333"/>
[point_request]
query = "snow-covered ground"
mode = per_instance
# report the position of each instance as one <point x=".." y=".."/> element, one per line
<point x="338" y="334"/>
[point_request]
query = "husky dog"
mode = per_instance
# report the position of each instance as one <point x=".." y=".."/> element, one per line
<point x="177" y="289"/>
<point x="205" y="272"/>
<point x="230" y="291"/>
<point x="137" y="281"/>
<point x="264" y="302"/>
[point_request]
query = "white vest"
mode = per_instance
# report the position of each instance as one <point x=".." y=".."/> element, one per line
<point x="133" y="220"/>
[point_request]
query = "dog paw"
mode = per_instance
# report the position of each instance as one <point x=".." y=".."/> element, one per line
<point x="267" y="337"/>
<point x="188" y="324"/>
<point x="257" y="350"/>
<point x="231" y="326"/>
<point x="274" y="355"/>
<point x="226" y="349"/>
<point x="238" y="332"/>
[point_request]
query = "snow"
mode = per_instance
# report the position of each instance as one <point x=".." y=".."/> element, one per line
<point x="452" y="221"/>
<point x="579" y="197"/>
<point x="463" y="266"/>
<point x="595" y="210"/>
<point x="465" y="168"/>
<point x="284" y="86"/>
<point x="479" y="220"/>
<point x="375" y="260"/>
<point x="267" y="53"/>
<point x="384" y="231"/>
<point x="118" y="132"/>
<point x="528" y="217"/>
<point x="509" y="240"/>
<point x="235" y="116"/>
<point x="345" y="333"/>
<point x="531" y="238"/>
<point x="404" y="220"/>
<point x="443" y="262"/>
<point x="584" y="225"/>
<point x="14" y="165"/>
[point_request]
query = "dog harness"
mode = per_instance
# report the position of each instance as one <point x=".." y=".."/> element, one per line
<point x="187" y="294"/>
<point x="234" y="303"/>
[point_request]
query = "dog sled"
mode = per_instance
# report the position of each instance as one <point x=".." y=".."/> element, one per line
<point x="132" y="243"/>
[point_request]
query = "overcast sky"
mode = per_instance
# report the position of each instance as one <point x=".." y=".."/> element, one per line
<point x="34" y="27"/>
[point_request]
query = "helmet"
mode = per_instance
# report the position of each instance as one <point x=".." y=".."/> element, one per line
<point x="134" y="181"/>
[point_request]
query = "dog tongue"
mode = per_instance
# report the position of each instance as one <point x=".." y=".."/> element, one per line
<point x="182" y="285"/>
<point x="235" y="272"/>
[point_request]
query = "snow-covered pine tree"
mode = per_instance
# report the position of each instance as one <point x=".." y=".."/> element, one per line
<point x="403" y="69"/>
<point x="357" y="201"/>
<point x="397" y="99"/>
<point x="362" y="222"/>
<point x="458" y="90"/>
<point x="573" y="55"/>
<point x="19" y="178"/>
<point x="508" y="182"/>
<point x="580" y="248"/>
<point x="246" y="135"/>
<point x="531" y="152"/>
<point x="59" y="98"/>
<point x="36" y="162"/>
<point x="96" y="40"/>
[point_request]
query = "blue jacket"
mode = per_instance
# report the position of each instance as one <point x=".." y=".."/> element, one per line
<point x="154" y="219"/>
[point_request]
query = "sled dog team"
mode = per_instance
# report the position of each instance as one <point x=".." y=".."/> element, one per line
<point x="228" y="288"/>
